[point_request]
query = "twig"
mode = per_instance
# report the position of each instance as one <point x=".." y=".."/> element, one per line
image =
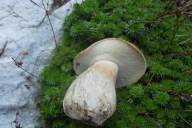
<point x="187" y="90"/>
<point x="184" y="41"/>
<point x="51" y="26"/>
<point x="188" y="34"/>
<point x="171" y="10"/>
<point x="186" y="70"/>
<point x="185" y="120"/>
<point x="17" y="14"/>
<point x="166" y="9"/>
<point x="50" y="49"/>
<point x="170" y="111"/>
<point x="167" y="55"/>
<point x="146" y="115"/>
<point x="185" y="74"/>
<point x="175" y="31"/>
<point x="143" y="9"/>
<point x="162" y="90"/>
<point x="128" y="119"/>
<point x="148" y="119"/>
<point x="164" y="31"/>
<point x="183" y="125"/>
<point x="3" y="48"/>
<point x="189" y="46"/>
<point x="18" y="64"/>
<point x="13" y="41"/>
<point x="149" y="21"/>
<point x="35" y="4"/>
<point x="41" y="21"/>
<point x="36" y="60"/>
<point x="46" y="10"/>
<point x="167" y="16"/>
<point x="74" y="47"/>
<point x="53" y="49"/>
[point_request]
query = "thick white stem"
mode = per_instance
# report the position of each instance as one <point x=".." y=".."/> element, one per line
<point x="91" y="98"/>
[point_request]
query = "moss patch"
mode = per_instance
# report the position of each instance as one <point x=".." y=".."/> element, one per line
<point x="135" y="21"/>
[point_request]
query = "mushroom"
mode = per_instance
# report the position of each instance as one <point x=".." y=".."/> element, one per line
<point x="105" y="65"/>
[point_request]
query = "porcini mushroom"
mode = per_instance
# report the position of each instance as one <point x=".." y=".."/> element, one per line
<point x="105" y="65"/>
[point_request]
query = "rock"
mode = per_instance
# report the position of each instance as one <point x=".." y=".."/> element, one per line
<point x="23" y="38"/>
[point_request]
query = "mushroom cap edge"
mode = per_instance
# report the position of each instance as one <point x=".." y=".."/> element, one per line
<point x="108" y="49"/>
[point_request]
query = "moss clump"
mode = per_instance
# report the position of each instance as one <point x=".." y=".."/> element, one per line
<point x="168" y="90"/>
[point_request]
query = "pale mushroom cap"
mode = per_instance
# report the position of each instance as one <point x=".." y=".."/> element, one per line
<point x="128" y="57"/>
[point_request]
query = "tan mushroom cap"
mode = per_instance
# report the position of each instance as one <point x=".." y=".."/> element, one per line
<point x="128" y="57"/>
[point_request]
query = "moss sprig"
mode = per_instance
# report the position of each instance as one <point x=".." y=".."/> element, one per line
<point x="133" y="21"/>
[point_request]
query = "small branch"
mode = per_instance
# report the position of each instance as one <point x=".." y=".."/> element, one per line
<point x="17" y="14"/>
<point x="185" y="120"/>
<point x="184" y="41"/>
<point x="143" y="9"/>
<point x="166" y="9"/>
<point x="187" y="90"/>
<point x="185" y="74"/>
<point x="182" y="125"/>
<point x="129" y="120"/>
<point x="36" y="60"/>
<point x="41" y="21"/>
<point x="35" y="4"/>
<point x="46" y="10"/>
<point x="148" y="118"/>
<point x="167" y="55"/>
<point x="48" y="49"/>
<point x="146" y="115"/>
<point x="162" y="90"/>
<point x="51" y="26"/>
<point x="174" y="33"/>
<point x="186" y="70"/>
<point x="3" y="48"/>
<point x="156" y="21"/>
<point x="163" y="32"/>
<point x="73" y="48"/>
<point x="14" y="42"/>
<point x="170" y="111"/>
<point x="185" y="35"/>
<point x="19" y="65"/>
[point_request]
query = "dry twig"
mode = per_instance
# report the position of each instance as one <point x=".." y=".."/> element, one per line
<point x="51" y="26"/>
<point x="185" y="120"/>
<point x="17" y="14"/>
<point x="146" y="115"/>
<point x="129" y="120"/>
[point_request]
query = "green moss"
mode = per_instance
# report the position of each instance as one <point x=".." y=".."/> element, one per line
<point x="101" y="19"/>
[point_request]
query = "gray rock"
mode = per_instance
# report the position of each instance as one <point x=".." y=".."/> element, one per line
<point x="21" y="31"/>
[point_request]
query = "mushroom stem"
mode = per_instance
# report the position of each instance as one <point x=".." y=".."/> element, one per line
<point x="91" y="98"/>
